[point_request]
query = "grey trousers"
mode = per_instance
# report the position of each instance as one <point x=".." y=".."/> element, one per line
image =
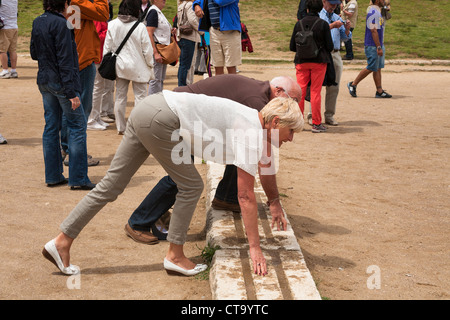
<point x="333" y="91"/>
<point x="148" y="131"/>
<point x="157" y="85"/>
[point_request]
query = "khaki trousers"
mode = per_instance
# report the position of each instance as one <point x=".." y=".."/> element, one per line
<point x="333" y="91"/>
<point x="149" y="130"/>
<point x="120" y="105"/>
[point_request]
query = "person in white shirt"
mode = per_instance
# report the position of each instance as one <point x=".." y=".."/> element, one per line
<point x="160" y="31"/>
<point x="171" y="126"/>
<point x="8" y="38"/>
<point x="134" y="63"/>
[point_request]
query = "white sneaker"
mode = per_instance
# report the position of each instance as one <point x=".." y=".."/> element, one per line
<point x="14" y="74"/>
<point x="103" y="123"/>
<point x="5" y="75"/>
<point x="2" y="139"/>
<point x="94" y="125"/>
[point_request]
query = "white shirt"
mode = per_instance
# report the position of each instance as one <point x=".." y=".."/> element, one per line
<point x="8" y="13"/>
<point x="163" y="33"/>
<point x="217" y="129"/>
<point x="135" y="60"/>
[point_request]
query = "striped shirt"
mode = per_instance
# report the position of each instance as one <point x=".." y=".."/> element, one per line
<point x="214" y="13"/>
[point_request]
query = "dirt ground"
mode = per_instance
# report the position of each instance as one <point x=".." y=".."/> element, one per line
<point x="368" y="200"/>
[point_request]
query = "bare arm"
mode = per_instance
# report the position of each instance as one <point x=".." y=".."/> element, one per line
<point x="376" y="39"/>
<point x="269" y="184"/>
<point x="156" y="54"/>
<point x="249" y="209"/>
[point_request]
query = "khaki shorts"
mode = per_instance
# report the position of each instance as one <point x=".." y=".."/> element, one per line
<point x="8" y="40"/>
<point x="226" y="48"/>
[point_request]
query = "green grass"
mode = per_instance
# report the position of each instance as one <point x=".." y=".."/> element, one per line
<point x="418" y="28"/>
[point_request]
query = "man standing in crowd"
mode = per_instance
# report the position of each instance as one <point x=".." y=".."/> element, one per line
<point x="350" y="12"/>
<point x="88" y="47"/>
<point x="374" y="50"/>
<point x="340" y="30"/>
<point x="223" y="21"/>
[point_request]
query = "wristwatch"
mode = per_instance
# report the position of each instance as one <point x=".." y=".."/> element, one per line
<point x="379" y="47"/>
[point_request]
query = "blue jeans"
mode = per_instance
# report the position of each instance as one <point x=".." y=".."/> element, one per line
<point x="349" y="47"/>
<point x="187" y="48"/>
<point x="227" y="187"/>
<point x="163" y="196"/>
<point x="156" y="203"/>
<point x="55" y="106"/>
<point x="87" y="79"/>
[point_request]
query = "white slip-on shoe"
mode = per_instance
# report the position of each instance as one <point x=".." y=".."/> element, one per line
<point x="94" y="125"/>
<point x="172" y="268"/>
<point x="51" y="253"/>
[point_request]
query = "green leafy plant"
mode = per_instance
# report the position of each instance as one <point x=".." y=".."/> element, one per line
<point x="207" y="254"/>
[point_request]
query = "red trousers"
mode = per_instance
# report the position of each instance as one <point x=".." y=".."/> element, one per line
<point x="314" y="72"/>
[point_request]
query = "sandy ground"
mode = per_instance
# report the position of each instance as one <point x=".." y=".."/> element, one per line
<point x="368" y="200"/>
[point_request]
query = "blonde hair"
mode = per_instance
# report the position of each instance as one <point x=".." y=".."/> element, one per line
<point x="287" y="110"/>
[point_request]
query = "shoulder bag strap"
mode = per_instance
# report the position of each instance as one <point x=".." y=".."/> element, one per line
<point x="126" y="37"/>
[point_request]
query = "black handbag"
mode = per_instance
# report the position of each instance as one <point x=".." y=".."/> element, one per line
<point x="107" y="67"/>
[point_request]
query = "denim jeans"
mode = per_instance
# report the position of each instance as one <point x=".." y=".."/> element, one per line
<point x="162" y="197"/>
<point x="156" y="203"/>
<point x="349" y="47"/>
<point x="187" y="53"/>
<point x="227" y="187"/>
<point x="87" y="79"/>
<point x="55" y="106"/>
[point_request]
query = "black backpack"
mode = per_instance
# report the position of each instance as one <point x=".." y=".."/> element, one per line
<point x="306" y="45"/>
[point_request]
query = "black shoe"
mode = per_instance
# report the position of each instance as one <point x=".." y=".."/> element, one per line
<point x="62" y="182"/>
<point x="161" y="234"/>
<point x="347" y="58"/>
<point x="88" y="186"/>
<point x="383" y="94"/>
<point x="351" y="89"/>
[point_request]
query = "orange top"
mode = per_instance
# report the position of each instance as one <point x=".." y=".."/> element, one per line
<point x="86" y="36"/>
